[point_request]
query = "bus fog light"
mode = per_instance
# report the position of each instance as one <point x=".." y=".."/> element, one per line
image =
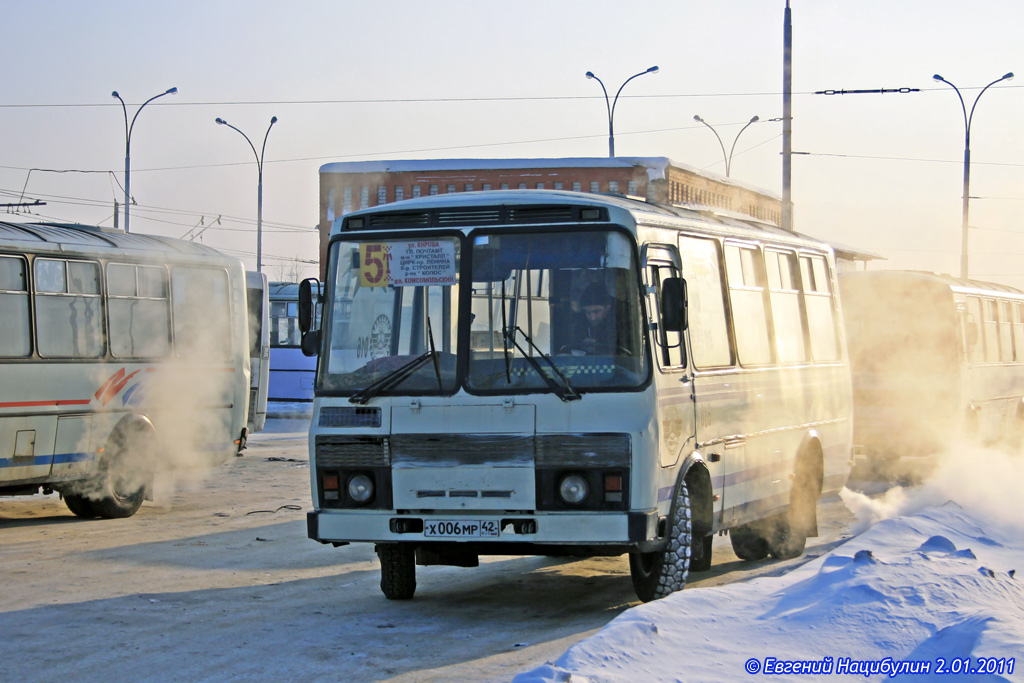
<point x="360" y="488"/>
<point x="573" y="489"/>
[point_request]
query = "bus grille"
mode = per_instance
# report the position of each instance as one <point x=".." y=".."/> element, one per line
<point x="345" y="416"/>
<point x="347" y="451"/>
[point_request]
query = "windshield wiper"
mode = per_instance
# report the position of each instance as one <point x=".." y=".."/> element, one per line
<point x="566" y="391"/>
<point x="400" y="374"/>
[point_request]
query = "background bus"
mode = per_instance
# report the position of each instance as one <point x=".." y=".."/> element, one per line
<point x="291" y="372"/>
<point x="466" y="406"/>
<point x="121" y="356"/>
<point x="257" y="299"/>
<point x="934" y="358"/>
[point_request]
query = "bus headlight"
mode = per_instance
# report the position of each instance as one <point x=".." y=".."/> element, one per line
<point x="573" y="489"/>
<point x="360" y="488"/>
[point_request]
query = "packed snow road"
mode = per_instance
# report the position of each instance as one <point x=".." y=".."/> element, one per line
<point x="218" y="581"/>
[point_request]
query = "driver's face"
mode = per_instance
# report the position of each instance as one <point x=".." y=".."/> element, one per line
<point x="595" y="313"/>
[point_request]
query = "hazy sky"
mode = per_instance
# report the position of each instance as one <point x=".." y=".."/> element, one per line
<point x="453" y="79"/>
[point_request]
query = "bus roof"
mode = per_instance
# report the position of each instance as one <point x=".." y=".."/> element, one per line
<point x="456" y="210"/>
<point x="75" y="237"/>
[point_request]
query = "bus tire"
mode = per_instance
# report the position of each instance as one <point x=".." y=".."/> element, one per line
<point x="748" y="543"/>
<point x="659" y="574"/>
<point x="397" y="570"/>
<point x="124" y="470"/>
<point x="789" y="531"/>
<point x="80" y="506"/>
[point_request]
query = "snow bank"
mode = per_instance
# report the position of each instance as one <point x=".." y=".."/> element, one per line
<point x="914" y="593"/>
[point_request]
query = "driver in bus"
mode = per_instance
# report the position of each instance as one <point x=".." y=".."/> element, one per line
<point x="595" y="330"/>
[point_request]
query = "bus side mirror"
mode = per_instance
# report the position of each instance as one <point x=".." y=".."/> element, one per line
<point x="673" y="304"/>
<point x="307" y="304"/>
<point x="310" y="343"/>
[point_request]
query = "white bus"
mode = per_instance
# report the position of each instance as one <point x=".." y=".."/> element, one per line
<point x="291" y="371"/>
<point x="121" y="355"/>
<point x="466" y="405"/>
<point x="934" y="358"/>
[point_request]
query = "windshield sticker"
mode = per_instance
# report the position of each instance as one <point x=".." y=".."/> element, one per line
<point x="380" y="338"/>
<point x="407" y="263"/>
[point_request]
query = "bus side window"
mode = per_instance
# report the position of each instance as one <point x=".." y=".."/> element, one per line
<point x="1018" y="332"/>
<point x="709" y="328"/>
<point x="1005" y="333"/>
<point x="668" y="343"/>
<point x="976" y="346"/>
<point x="787" y="313"/>
<point x="991" y="308"/>
<point x="199" y="305"/>
<point x="818" y="305"/>
<point x="745" y="271"/>
<point x="138" y="311"/>
<point x="69" y="309"/>
<point x="15" y="339"/>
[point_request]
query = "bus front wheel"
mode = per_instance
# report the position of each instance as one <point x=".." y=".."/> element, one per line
<point x="659" y="574"/>
<point x="397" y="570"/>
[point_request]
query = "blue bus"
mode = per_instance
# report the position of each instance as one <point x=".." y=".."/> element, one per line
<point x="291" y="373"/>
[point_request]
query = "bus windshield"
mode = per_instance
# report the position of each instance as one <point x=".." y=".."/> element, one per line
<point x="394" y="301"/>
<point x="555" y="309"/>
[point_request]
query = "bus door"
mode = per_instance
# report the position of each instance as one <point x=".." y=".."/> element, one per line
<point x="666" y="323"/>
<point x="258" y="302"/>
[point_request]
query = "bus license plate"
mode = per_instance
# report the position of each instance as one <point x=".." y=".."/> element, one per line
<point x="461" y="528"/>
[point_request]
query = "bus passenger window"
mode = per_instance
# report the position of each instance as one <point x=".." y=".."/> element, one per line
<point x="818" y="305"/>
<point x="784" y="293"/>
<point x="69" y="309"/>
<point x="138" y="311"/>
<point x="15" y="340"/>
<point x="1005" y="333"/>
<point x="745" y="270"/>
<point x="201" y="310"/>
<point x="1018" y="332"/>
<point x="991" y="331"/>
<point x="709" y="330"/>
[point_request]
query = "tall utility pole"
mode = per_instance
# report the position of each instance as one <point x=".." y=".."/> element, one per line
<point x="787" y="120"/>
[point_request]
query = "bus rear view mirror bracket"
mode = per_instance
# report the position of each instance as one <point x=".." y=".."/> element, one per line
<point x="673" y="304"/>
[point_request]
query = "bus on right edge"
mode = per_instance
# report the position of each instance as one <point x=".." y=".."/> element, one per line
<point x="936" y="361"/>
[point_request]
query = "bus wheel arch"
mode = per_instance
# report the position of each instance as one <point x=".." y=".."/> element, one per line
<point x="125" y="473"/>
<point x="800" y="520"/>
<point x="659" y="574"/>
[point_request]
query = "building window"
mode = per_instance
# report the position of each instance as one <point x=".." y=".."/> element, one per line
<point x="346" y="202"/>
<point x="468" y="187"/>
<point x="504" y="186"/>
<point x="522" y="186"/>
<point x="613" y="185"/>
<point x="540" y="186"/>
<point x="451" y="188"/>
<point x="595" y="186"/>
<point x="633" y="188"/>
<point x="576" y="187"/>
<point x="486" y="187"/>
<point x="364" y="197"/>
<point x="415" y="190"/>
<point x="433" y="190"/>
<point x="382" y="195"/>
<point x="558" y="186"/>
<point x="399" y="193"/>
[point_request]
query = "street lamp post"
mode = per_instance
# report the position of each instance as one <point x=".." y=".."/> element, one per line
<point x="128" y="146"/>
<point x="967" y="162"/>
<point x="259" y="192"/>
<point x="611" y="105"/>
<point x="728" y="157"/>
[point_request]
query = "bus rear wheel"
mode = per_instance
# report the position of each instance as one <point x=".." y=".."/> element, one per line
<point x="80" y="506"/>
<point x="397" y="570"/>
<point x="659" y="574"/>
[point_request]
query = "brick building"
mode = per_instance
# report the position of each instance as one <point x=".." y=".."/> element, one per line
<point x="350" y="186"/>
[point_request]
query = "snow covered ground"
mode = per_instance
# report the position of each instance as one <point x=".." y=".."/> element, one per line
<point x="928" y="591"/>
